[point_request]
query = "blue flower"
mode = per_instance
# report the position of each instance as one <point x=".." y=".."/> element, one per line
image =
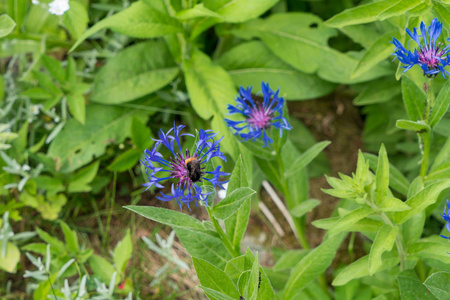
<point x="432" y="57"/>
<point x="259" y="117"/>
<point x="187" y="170"/>
<point x="446" y="217"/>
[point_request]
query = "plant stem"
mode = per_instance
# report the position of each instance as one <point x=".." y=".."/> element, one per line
<point x="426" y="138"/>
<point x="222" y="234"/>
<point x="110" y="211"/>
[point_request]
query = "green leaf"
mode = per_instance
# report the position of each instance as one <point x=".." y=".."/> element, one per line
<point x="236" y="224"/>
<point x="165" y="216"/>
<point x="199" y="10"/>
<point x="440" y="105"/>
<point x="77" y="145"/>
<point x="204" y="244"/>
<point x="50" y="184"/>
<point x="305" y="207"/>
<point x="413" y="228"/>
<point x="437" y="284"/>
<point x="56" y="245"/>
<point x="232" y="202"/>
<point x="399" y="8"/>
<point x="125" y="160"/>
<point x="414" y="99"/>
<point x="359" y="15"/>
<point x="360" y="268"/>
<point x="47" y="83"/>
<point x="232" y="10"/>
<point x="70" y="236"/>
<point x="79" y="182"/>
<point x="102" y="269"/>
<point x="441" y="12"/>
<point x="139" y="20"/>
<point x="251" y="63"/>
<point x="393" y="204"/>
<point x="301" y="40"/>
<point x="75" y="19"/>
<point x="12" y="257"/>
<point x="349" y="219"/>
<point x="212" y="277"/>
<point x="312" y="265"/>
<point x="213" y="294"/>
<point x="382" y="176"/>
<point x="378" y="91"/>
<point x="135" y="72"/>
<point x="285" y="261"/>
<point x="383" y="241"/>
<point x="443" y="156"/>
<point x="417" y="126"/>
<point x="306" y="157"/>
<point x="77" y="107"/>
<point x="140" y="134"/>
<point x="71" y="70"/>
<point x="37" y="93"/>
<point x="396" y="179"/>
<point x="421" y="200"/>
<point x="54" y="67"/>
<point x="411" y="287"/>
<point x="377" y="52"/>
<point x="7" y="25"/>
<point x="123" y="252"/>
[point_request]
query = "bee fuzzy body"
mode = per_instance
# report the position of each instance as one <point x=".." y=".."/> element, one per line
<point x="194" y="169"/>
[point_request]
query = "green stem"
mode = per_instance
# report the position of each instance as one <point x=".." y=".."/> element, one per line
<point x="425" y="136"/>
<point x="222" y="234"/>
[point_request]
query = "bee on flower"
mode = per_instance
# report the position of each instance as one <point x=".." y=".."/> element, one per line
<point x="187" y="170"/>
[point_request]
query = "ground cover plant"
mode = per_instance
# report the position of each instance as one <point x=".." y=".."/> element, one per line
<point x="188" y="149"/>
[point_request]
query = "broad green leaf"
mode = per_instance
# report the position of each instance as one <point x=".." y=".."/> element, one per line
<point x="165" y="216"/>
<point x="237" y="265"/>
<point x="102" y="268"/>
<point x="442" y="172"/>
<point x="437" y="284"/>
<point x="11" y="259"/>
<point x="413" y="228"/>
<point x="47" y="83"/>
<point x="139" y="20"/>
<point x="123" y="252"/>
<point x="301" y="40"/>
<point x="212" y="277"/>
<point x="418" y="126"/>
<point x="237" y="223"/>
<point x="349" y="219"/>
<point x="80" y="180"/>
<point x="140" y="134"/>
<point x="364" y="34"/>
<point x="396" y="179"/>
<point x="232" y="202"/>
<point x="306" y="157"/>
<point x="399" y="8"/>
<point x="199" y="10"/>
<point x="77" y="107"/>
<point x="125" y="160"/>
<point x="364" y="225"/>
<point x="50" y="184"/>
<point x="251" y="63"/>
<point x="214" y="294"/>
<point x="411" y="287"/>
<point x="257" y="149"/>
<point x="135" y="72"/>
<point x="378" y="51"/>
<point x="48" y="207"/>
<point x="7" y="25"/>
<point x="393" y="204"/>
<point x="232" y="10"/>
<point x="441" y="12"/>
<point x="251" y="290"/>
<point x="285" y="262"/>
<point x="440" y="105"/>
<point x="442" y="157"/>
<point x="383" y="241"/>
<point x="382" y="176"/>
<point x="414" y="99"/>
<point x="70" y="237"/>
<point x="312" y="265"/>
<point x="56" y="245"/>
<point x="305" y="207"/>
<point x="434" y="247"/>
<point x="77" y="145"/>
<point x="421" y="200"/>
<point x="360" y="268"/>
<point x="378" y="91"/>
<point x="361" y="14"/>
<point x="54" y="67"/>
<point x="75" y="19"/>
<point x="204" y="244"/>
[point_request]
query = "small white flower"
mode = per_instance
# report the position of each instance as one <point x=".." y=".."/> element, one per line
<point x="34" y="109"/>
<point x="56" y="119"/>
<point x="26" y="168"/>
<point x="35" y="2"/>
<point x="223" y="193"/>
<point x="58" y="7"/>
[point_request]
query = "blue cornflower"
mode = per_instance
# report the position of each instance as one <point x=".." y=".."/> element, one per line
<point x="188" y="170"/>
<point x="446" y="217"/>
<point x="259" y="117"/>
<point x="432" y="57"/>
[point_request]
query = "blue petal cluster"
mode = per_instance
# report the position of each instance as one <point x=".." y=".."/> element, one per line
<point x="446" y="217"/>
<point x="431" y="56"/>
<point x="259" y="117"/>
<point x="186" y="187"/>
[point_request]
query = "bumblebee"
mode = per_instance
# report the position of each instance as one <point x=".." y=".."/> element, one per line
<point x="194" y="169"/>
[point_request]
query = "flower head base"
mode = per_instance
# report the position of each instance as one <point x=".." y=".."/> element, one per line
<point x="259" y="117"/>
<point x="431" y="56"/>
<point x="187" y="169"/>
<point x="58" y="7"/>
